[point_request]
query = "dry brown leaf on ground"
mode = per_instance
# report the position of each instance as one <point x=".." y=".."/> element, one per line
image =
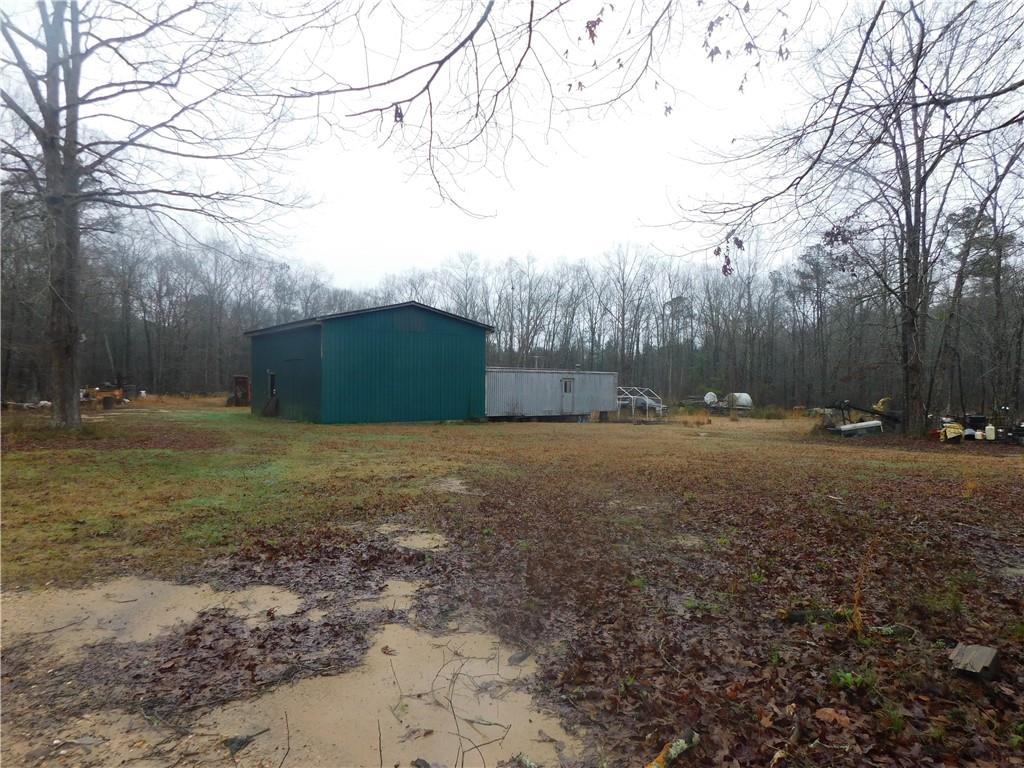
<point x="830" y="715"/>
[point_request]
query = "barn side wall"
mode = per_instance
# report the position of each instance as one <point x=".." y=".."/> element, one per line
<point x="403" y="364"/>
<point x="293" y="356"/>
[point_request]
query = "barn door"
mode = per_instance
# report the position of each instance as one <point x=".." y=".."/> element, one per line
<point x="568" y="396"/>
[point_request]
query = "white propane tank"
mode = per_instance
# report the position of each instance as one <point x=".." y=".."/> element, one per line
<point x="990" y="432"/>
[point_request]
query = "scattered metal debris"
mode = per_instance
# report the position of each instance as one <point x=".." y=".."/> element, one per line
<point x="873" y="427"/>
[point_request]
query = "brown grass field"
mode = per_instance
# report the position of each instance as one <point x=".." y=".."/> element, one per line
<point x="790" y="596"/>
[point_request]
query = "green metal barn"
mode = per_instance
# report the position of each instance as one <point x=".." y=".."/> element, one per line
<point x="403" y="362"/>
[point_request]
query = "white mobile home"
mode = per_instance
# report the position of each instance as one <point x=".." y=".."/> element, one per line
<point x="533" y="392"/>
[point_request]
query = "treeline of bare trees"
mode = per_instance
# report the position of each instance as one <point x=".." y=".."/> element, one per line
<point x="190" y="109"/>
<point x="909" y="160"/>
<point x="904" y="165"/>
<point x="170" y="317"/>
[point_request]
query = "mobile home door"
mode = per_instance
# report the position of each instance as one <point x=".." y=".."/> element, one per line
<point x="568" y="397"/>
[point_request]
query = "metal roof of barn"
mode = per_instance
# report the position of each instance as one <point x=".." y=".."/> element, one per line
<point x="338" y="315"/>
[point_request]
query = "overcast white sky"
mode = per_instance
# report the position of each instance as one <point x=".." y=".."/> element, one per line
<point x="619" y="177"/>
<point x="597" y="181"/>
<point x="601" y="181"/>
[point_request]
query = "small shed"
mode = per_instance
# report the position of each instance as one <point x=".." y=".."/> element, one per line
<point x="401" y="362"/>
<point x="533" y="392"/>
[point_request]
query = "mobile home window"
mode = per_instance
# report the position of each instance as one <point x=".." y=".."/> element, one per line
<point x="566" y="386"/>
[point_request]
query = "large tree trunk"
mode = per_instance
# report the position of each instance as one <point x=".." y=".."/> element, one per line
<point x="10" y="323"/>
<point x="62" y="183"/>
<point x="1000" y="351"/>
<point x="1018" y="366"/>
<point x="62" y="325"/>
<point x="913" y="378"/>
<point x="126" y="328"/>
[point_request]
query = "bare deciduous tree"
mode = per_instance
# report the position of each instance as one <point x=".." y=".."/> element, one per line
<point x="910" y="97"/>
<point x="123" y="103"/>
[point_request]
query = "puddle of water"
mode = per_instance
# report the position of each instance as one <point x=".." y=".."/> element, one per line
<point x="128" y="610"/>
<point x="398" y="594"/>
<point x="421" y="541"/>
<point x="432" y="697"/>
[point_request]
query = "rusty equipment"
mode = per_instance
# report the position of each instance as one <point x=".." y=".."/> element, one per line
<point x="106" y="397"/>
<point x="241" y="390"/>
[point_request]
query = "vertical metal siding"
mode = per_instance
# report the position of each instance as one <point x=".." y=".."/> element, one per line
<point x="294" y="356"/>
<point x="403" y="364"/>
<point x="531" y="392"/>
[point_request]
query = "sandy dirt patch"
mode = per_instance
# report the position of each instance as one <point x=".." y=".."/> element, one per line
<point x="420" y="541"/>
<point x="127" y="610"/>
<point x="453" y="699"/>
<point x="397" y="595"/>
<point x="455" y="485"/>
<point x="433" y="697"/>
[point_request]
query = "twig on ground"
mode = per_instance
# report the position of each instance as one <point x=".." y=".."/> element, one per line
<point x="288" y="743"/>
<point x="57" y="629"/>
<point x="481" y="721"/>
<point x="458" y="730"/>
<point x="481" y="745"/>
<point x="475" y="747"/>
<point x="395" y="675"/>
<point x="380" y="744"/>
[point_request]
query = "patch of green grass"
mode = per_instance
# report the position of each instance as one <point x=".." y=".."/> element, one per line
<point x="1016" y="739"/>
<point x="854" y="681"/>
<point x="626" y="683"/>
<point x="892" y="718"/>
<point x="209" y="533"/>
<point x="726" y="538"/>
<point x="703" y="606"/>
<point x="74" y="511"/>
<point x="863" y="640"/>
<point x="945" y="601"/>
<point x="637" y="582"/>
